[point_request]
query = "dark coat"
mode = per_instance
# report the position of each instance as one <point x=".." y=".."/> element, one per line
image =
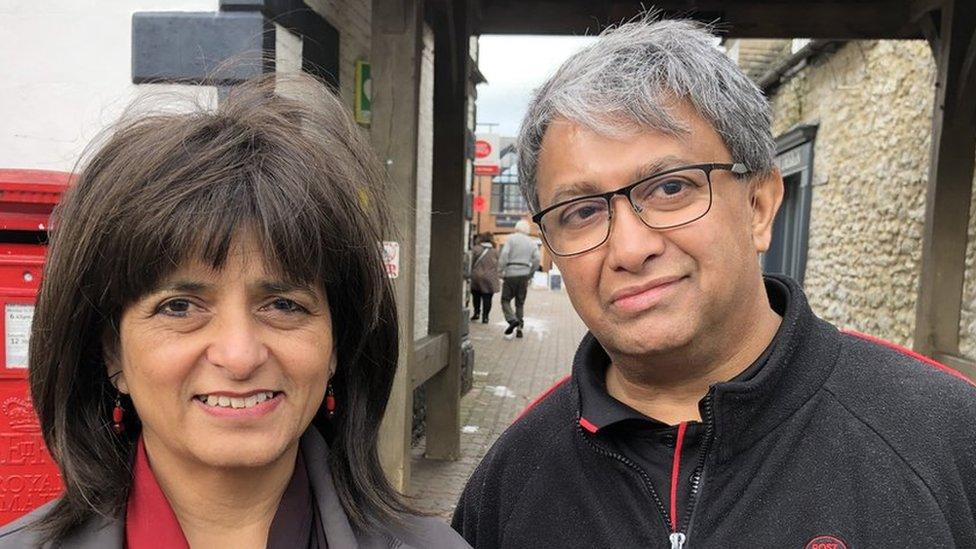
<point x="836" y="437"/>
<point x="484" y="269"/>
<point x="414" y="532"/>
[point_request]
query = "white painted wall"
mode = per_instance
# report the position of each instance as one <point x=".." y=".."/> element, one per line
<point x="353" y="20"/>
<point x="66" y="74"/>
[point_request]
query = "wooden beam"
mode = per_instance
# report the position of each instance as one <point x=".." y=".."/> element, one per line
<point x="430" y="357"/>
<point x="452" y="30"/>
<point x="959" y="364"/>
<point x="949" y="193"/>
<point x="837" y="19"/>
<point x="396" y="45"/>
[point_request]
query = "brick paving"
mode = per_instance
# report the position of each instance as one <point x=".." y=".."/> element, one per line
<point x="508" y="375"/>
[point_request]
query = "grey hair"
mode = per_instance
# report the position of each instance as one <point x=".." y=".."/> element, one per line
<point x="629" y="79"/>
<point x="523" y="226"/>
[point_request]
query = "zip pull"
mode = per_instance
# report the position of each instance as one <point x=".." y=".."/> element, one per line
<point x="677" y="540"/>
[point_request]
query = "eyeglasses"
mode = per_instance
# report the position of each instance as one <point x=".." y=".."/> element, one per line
<point x="664" y="200"/>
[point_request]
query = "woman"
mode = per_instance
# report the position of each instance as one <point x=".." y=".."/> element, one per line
<point x="484" y="275"/>
<point x="215" y="339"/>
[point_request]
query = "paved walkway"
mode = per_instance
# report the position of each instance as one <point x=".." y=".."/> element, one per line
<point x="508" y="375"/>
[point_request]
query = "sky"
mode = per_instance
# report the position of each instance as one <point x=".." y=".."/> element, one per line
<point x="514" y="66"/>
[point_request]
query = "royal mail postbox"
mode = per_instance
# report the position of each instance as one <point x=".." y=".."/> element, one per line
<point x="28" y="477"/>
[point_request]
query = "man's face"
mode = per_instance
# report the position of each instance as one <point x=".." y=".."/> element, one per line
<point x="644" y="291"/>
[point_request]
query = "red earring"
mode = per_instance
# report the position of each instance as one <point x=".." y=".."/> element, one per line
<point x="117" y="414"/>
<point x="330" y="401"/>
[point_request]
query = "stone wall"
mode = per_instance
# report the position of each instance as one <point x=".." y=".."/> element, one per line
<point x="873" y="103"/>
<point x="967" y="324"/>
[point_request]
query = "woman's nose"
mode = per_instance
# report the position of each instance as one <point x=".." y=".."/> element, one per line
<point x="236" y="346"/>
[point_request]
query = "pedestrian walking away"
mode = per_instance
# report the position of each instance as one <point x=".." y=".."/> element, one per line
<point x="708" y="405"/>
<point x="484" y="276"/>
<point x="519" y="259"/>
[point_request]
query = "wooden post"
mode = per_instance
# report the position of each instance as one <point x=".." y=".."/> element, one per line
<point x="950" y="186"/>
<point x="395" y="58"/>
<point x="451" y="22"/>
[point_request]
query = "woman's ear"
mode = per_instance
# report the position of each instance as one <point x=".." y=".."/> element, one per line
<point x="765" y="195"/>
<point x="333" y="364"/>
<point x="113" y="365"/>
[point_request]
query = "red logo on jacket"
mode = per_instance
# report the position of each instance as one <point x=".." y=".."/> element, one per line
<point x="826" y="542"/>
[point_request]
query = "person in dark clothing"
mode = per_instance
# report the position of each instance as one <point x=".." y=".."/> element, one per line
<point x="708" y="406"/>
<point x="484" y="276"/>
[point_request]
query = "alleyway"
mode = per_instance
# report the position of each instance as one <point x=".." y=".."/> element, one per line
<point x="507" y="376"/>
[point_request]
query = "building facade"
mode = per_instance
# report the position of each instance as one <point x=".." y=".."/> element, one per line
<point x="853" y="123"/>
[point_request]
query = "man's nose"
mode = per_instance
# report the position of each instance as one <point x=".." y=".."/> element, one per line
<point x="631" y="243"/>
<point x="236" y="345"/>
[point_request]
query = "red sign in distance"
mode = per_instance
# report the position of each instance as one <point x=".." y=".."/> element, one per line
<point x="480" y="203"/>
<point x="482" y="148"/>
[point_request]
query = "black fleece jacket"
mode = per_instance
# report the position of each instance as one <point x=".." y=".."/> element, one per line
<point x="836" y="442"/>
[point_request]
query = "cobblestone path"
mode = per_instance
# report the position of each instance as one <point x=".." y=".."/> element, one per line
<point x="508" y="375"/>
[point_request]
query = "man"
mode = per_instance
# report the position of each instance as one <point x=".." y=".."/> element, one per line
<point x="519" y="259"/>
<point x="708" y="406"/>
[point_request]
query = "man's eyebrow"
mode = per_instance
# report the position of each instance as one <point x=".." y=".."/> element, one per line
<point x="586" y="188"/>
<point x="659" y="165"/>
<point x="574" y="189"/>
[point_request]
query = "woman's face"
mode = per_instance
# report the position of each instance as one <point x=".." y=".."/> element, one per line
<point x="226" y="368"/>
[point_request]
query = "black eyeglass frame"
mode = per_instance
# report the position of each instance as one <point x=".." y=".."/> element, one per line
<point x="738" y="168"/>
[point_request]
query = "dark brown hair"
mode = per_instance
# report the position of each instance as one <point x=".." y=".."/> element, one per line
<point x="278" y="157"/>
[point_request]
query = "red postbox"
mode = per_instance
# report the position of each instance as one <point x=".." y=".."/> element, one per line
<point x="28" y="477"/>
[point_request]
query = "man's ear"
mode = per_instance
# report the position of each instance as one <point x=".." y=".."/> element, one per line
<point x="765" y="196"/>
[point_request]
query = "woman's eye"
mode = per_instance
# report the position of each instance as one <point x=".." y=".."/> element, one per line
<point x="286" y="306"/>
<point x="175" y="307"/>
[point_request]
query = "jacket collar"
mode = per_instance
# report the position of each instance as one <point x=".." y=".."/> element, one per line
<point x="786" y="375"/>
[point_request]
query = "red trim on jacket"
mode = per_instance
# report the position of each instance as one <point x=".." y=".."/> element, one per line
<point x="543" y="396"/>
<point x="149" y="519"/>
<point x="905" y="351"/>
<point x="584" y="423"/>
<point x="676" y="474"/>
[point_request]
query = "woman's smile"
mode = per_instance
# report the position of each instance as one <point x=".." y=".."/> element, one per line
<point x="251" y="405"/>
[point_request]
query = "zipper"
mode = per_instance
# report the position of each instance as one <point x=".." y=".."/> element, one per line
<point x="678" y="537"/>
<point x="637" y="468"/>
<point x="697" y="477"/>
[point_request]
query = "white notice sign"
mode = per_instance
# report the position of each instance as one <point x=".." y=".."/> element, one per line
<point x="17" y="326"/>
<point x="391" y="258"/>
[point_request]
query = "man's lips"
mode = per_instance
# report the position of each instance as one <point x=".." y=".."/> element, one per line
<point x="642" y="296"/>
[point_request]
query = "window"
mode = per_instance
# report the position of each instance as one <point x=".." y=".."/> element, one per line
<point x="506" y="197"/>
<point x="787" y="253"/>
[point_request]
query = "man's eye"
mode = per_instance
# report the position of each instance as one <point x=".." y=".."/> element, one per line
<point x="670" y="188"/>
<point x="577" y="214"/>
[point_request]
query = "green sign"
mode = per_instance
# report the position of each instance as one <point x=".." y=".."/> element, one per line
<point x="364" y="93"/>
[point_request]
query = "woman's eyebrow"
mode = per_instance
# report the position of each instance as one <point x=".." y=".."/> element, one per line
<point x="276" y="286"/>
<point x="187" y="286"/>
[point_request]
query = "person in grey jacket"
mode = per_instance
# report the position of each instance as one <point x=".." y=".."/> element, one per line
<point x="519" y="259"/>
<point x="215" y="338"/>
